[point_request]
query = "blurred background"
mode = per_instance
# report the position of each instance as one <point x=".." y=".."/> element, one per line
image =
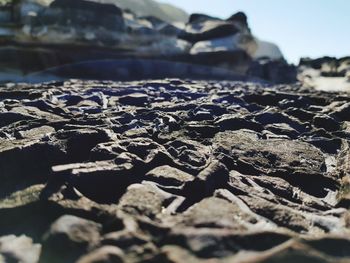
<point x="267" y="41"/>
<point x="312" y="28"/>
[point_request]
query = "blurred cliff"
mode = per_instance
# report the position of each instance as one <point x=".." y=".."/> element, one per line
<point x="140" y="39"/>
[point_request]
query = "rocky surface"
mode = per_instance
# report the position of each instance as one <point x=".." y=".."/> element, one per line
<point x="173" y="171"/>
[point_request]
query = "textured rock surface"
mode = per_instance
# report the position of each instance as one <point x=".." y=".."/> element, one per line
<point x="173" y="171"/>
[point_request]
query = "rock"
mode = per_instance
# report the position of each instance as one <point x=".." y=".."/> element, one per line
<point x="341" y="110"/>
<point x="214" y="212"/>
<point x="236" y="123"/>
<point x="36" y="133"/>
<point x="134" y="99"/>
<point x="103" y="254"/>
<point x="291" y="250"/>
<point x="35" y="113"/>
<point x="83" y="13"/>
<point x="69" y="237"/>
<point x="270" y="66"/>
<point x="207" y="30"/>
<point x="271" y="51"/>
<point x="333" y="246"/>
<point x="270" y="157"/>
<point x="239" y="17"/>
<point x="124" y="31"/>
<point x="79" y="143"/>
<point x="281" y="216"/>
<point x="199" y="18"/>
<point x="125" y="239"/>
<point x="230" y="43"/>
<point x="102" y="181"/>
<point x="166" y="47"/>
<point x="213" y="176"/>
<point x="223" y="243"/>
<point x="26" y="162"/>
<point x="326" y="122"/>
<point x="19" y="249"/>
<point x="12" y="117"/>
<point x="153" y="201"/>
<point x="177" y="254"/>
<point x="167" y="175"/>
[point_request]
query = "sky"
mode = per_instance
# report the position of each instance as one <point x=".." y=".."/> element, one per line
<point x="301" y="28"/>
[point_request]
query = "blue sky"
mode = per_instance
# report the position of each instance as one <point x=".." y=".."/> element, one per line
<point x="301" y="28"/>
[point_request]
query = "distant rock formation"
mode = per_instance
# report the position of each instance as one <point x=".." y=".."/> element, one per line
<point x="326" y="73"/>
<point x="41" y="34"/>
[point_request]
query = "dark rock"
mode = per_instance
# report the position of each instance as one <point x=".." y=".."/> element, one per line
<point x="12" y="117"/>
<point x="26" y="162"/>
<point x="87" y="5"/>
<point x="333" y="246"/>
<point x="213" y="177"/>
<point x="198" y="18"/>
<point x="209" y="29"/>
<point x="341" y="111"/>
<point x="134" y="99"/>
<point x="79" y="143"/>
<point x="326" y="122"/>
<point x="84" y="13"/>
<point x="282" y="129"/>
<point x="327" y="145"/>
<point x="239" y="17"/>
<point x="102" y="181"/>
<point x="271" y="117"/>
<point x="125" y="239"/>
<point x="236" y="123"/>
<point x="274" y="71"/>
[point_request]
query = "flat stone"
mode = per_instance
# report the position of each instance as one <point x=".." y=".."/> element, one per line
<point x="143" y="200"/>
<point x="169" y="175"/>
<point x="36" y="133"/>
<point x="214" y="212"/>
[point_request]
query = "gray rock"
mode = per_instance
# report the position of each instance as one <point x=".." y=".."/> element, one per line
<point x="19" y="249"/>
<point x="69" y="237"/>
<point x="168" y="175"/>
